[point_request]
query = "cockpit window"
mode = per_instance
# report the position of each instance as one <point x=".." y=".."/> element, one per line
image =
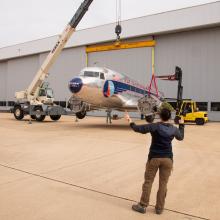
<point x="102" y="76"/>
<point x="91" y="74"/>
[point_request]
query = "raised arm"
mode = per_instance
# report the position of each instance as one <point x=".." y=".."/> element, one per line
<point x="143" y="129"/>
<point x="179" y="134"/>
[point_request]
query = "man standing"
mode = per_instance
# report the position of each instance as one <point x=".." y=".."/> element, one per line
<point x="109" y="116"/>
<point x="160" y="157"/>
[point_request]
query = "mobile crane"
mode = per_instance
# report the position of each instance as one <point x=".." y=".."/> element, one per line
<point x="38" y="100"/>
<point x="185" y="108"/>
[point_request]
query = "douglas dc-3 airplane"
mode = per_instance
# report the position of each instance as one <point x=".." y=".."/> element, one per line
<point x="98" y="88"/>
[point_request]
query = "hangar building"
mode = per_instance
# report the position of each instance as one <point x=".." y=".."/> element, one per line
<point x="189" y="38"/>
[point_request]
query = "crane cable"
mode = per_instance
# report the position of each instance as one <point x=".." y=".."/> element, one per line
<point x="118" y="28"/>
<point x="118" y="11"/>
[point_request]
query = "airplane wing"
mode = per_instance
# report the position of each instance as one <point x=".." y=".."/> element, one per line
<point x="128" y="102"/>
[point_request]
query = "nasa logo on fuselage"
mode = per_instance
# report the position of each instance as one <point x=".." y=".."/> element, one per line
<point x="75" y="85"/>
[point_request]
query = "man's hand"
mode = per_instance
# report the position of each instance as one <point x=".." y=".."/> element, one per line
<point x="181" y="121"/>
<point x="127" y="117"/>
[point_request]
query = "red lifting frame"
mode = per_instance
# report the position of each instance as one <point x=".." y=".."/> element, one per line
<point x="153" y="83"/>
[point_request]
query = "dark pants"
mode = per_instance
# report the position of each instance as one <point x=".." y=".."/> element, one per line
<point x="109" y="117"/>
<point x="165" y="166"/>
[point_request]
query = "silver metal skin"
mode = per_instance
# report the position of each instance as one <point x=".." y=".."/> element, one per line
<point x="123" y="96"/>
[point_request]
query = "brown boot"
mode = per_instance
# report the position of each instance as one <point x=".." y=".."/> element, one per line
<point x="158" y="211"/>
<point x="139" y="208"/>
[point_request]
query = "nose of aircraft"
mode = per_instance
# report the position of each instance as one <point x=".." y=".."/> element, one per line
<point x="75" y="85"/>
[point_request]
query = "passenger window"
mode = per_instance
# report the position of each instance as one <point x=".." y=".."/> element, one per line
<point x="102" y="76"/>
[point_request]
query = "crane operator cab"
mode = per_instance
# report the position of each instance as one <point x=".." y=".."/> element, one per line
<point x="46" y="94"/>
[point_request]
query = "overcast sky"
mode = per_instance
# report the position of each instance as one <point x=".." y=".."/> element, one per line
<point x="25" y="20"/>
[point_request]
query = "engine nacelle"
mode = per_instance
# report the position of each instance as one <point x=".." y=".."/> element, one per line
<point x="149" y="105"/>
<point x="77" y="105"/>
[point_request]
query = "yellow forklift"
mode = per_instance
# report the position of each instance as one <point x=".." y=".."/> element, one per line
<point x="190" y="113"/>
<point x="185" y="108"/>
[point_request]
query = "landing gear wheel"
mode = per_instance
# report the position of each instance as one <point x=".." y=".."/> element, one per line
<point x="39" y="117"/>
<point x="150" y="118"/>
<point x="176" y="120"/>
<point x="55" y="117"/>
<point x="200" y="121"/>
<point x="18" y="112"/>
<point x="81" y="115"/>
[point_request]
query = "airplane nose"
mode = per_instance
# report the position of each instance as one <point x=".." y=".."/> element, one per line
<point x="75" y="85"/>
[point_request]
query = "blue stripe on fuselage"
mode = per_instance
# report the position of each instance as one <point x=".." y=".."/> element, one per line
<point x="122" y="87"/>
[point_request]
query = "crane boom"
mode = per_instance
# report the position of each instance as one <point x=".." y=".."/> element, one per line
<point x="33" y="90"/>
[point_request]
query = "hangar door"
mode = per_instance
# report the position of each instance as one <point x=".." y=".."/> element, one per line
<point x="135" y="62"/>
<point x="3" y="78"/>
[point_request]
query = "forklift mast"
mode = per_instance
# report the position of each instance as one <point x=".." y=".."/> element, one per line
<point x="178" y="76"/>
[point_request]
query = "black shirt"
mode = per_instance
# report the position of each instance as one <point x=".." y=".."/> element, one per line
<point x="162" y="136"/>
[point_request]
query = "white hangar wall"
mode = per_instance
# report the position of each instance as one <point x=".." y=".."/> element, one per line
<point x="197" y="52"/>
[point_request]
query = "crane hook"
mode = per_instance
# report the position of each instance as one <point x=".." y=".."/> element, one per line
<point x="118" y="28"/>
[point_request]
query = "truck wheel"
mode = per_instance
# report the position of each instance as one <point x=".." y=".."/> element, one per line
<point x="18" y="112"/>
<point x="81" y="115"/>
<point x="39" y="117"/>
<point x="55" y="117"/>
<point x="150" y="118"/>
<point x="200" y="121"/>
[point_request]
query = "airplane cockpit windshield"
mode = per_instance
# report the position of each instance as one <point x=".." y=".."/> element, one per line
<point x="93" y="74"/>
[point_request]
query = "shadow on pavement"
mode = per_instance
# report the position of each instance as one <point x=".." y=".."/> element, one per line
<point x="103" y="126"/>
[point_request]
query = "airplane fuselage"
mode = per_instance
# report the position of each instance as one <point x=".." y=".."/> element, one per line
<point x="106" y="89"/>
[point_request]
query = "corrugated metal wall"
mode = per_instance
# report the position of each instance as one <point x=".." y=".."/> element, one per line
<point x="20" y="72"/>
<point x="17" y="74"/>
<point x="3" y="81"/>
<point x="198" y="54"/>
